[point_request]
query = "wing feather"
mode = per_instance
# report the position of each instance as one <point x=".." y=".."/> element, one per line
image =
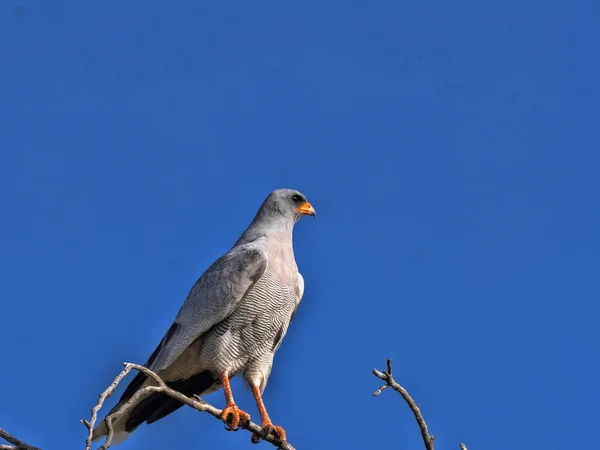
<point x="212" y="299"/>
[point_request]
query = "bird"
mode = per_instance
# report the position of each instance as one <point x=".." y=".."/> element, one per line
<point x="231" y="323"/>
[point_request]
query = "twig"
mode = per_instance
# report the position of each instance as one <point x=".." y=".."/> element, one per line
<point x="107" y="393"/>
<point x="194" y="402"/>
<point x="17" y="443"/>
<point x="390" y="382"/>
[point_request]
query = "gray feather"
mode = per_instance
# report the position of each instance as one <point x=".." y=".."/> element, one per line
<point x="214" y="297"/>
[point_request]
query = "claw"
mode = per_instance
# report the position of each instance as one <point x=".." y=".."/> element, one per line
<point x="269" y="428"/>
<point x="233" y="416"/>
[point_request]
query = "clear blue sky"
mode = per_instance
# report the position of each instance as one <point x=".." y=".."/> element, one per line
<point x="451" y="150"/>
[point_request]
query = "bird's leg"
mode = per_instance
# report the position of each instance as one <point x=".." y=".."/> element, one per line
<point x="266" y="425"/>
<point x="231" y="415"/>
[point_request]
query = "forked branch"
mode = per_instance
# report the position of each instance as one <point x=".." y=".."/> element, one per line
<point x="193" y="402"/>
<point x="390" y="382"/>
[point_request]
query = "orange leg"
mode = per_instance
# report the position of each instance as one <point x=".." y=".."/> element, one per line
<point x="266" y="425"/>
<point x="231" y="415"/>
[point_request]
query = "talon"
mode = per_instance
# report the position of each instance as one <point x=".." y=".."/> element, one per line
<point x="269" y="428"/>
<point x="233" y="416"/>
<point x="279" y="433"/>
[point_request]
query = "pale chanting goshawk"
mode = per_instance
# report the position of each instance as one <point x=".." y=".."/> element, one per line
<point x="232" y="322"/>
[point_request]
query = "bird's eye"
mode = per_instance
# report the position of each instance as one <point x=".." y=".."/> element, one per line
<point x="297" y="198"/>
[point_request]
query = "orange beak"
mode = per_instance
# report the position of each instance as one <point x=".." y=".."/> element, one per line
<point x="306" y="209"/>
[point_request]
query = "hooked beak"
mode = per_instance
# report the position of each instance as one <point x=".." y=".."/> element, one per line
<point x="307" y="209"/>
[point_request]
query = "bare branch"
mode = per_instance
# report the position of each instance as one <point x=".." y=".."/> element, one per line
<point x="193" y="402"/>
<point x="17" y="443"/>
<point x="107" y="393"/>
<point x="390" y="382"/>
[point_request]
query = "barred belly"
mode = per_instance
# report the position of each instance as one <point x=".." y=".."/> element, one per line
<point x="247" y="340"/>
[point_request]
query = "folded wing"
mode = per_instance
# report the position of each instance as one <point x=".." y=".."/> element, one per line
<point x="214" y="297"/>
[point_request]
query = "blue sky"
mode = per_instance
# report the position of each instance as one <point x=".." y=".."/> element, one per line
<point x="450" y="149"/>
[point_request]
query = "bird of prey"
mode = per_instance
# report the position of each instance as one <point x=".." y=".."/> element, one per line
<point x="232" y="322"/>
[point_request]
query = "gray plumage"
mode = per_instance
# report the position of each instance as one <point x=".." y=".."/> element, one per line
<point x="233" y="319"/>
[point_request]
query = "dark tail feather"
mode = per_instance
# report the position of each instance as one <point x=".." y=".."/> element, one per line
<point x="167" y="406"/>
<point x="140" y="378"/>
<point x="159" y="405"/>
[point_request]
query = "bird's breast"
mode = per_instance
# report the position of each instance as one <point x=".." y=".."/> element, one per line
<point x="282" y="264"/>
<point x="255" y="328"/>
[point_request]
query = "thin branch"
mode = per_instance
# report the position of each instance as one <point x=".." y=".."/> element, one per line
<point x="17" y="443"/>
<point x="390" y="382"/>
<point x="194" y="402"/>
<point x="107" y="393"/>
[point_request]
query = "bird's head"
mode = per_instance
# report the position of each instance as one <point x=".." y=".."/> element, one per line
<point x="288" y="203"/>
<point x="278" y="213"/>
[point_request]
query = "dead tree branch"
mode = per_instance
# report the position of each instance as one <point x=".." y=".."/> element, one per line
<point x="17" y="444"/>
<point x="194" y="402"/>
<point x="390" y="382"/>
